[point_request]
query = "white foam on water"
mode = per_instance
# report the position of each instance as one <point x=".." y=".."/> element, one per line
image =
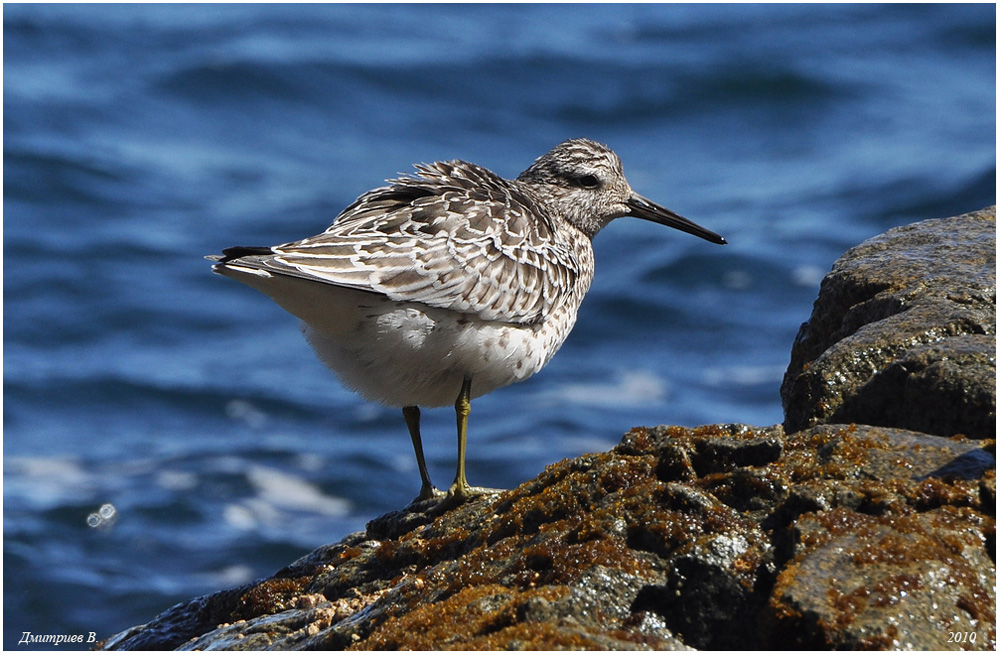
<point x="279" y="494"/>
<point x="742" y="375"/>
<point x="630" y="389"/>
<point x="176" y="480"/>
<point x="47" y="481"/>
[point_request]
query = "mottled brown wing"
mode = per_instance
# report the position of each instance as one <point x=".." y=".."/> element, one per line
<point x="457" y="237"/>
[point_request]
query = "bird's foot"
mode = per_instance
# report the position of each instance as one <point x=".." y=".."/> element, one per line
<point x="428" y="492"/>
<point x="435" y="501"/>
<point x="459" y="493"/>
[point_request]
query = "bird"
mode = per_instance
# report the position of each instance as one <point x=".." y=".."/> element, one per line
<point x="451" y="282"/>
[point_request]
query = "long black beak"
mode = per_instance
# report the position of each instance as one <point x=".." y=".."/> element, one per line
<point x="650" y="211"/>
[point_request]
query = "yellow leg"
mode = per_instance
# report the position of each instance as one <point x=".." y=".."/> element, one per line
<point x="460" y="489"/>
<point x="411" y="415"/>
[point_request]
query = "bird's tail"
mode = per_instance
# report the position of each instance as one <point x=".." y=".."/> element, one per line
<point x="229" y="254"/>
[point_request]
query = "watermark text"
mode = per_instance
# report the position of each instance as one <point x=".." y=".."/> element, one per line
<point x="54" y="640"/>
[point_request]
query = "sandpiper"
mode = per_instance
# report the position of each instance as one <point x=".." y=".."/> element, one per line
<point x="451" y="282"/>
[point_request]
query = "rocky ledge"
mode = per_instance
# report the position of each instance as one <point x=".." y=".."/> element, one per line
<point x="903" y="333"/>
<point x="819" y="534"/>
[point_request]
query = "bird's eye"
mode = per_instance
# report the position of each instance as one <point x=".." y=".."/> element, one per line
<point x="588" y="182"/>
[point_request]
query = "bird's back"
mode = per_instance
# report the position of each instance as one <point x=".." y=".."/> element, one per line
<point x="454" y="236"/>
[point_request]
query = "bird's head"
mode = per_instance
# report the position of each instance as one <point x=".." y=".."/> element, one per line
<point x="584" y="181"/>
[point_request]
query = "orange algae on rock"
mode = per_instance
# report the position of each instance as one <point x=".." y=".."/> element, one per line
<point x="715" y="537"/>
<point x="476" y="618"/>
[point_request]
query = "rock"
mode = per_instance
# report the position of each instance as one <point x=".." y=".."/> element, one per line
<point x="898" y="581"/>
<point x="903" y="334"/>
<point x="719" y="537"/>
<point x="827" y="536"/>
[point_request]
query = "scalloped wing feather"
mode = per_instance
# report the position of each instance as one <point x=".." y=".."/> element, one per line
<point x="455" y="236"/>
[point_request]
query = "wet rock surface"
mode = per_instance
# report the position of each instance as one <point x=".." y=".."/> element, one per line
<point x="903" y="333"/>
<point x="827" y="536"/>
<point x="719" y="537"/>
<point x="898" y="583"/>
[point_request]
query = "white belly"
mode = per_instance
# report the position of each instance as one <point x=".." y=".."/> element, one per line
<point x="405" y="354"/>
<point x="402" y="354"/>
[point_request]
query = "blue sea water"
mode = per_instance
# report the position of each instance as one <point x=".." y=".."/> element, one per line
<point x="169" y="432"/>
